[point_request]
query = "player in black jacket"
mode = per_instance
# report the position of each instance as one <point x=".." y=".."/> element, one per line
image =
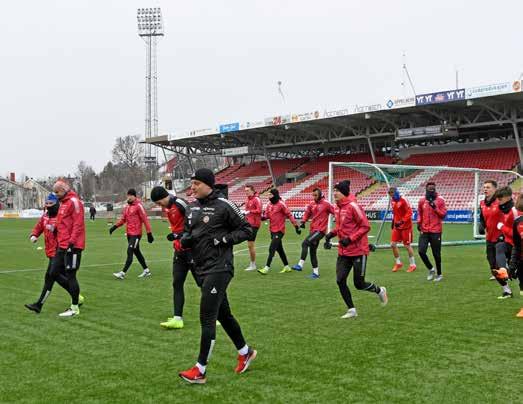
<point x="212" y="226"/>
<point x="516" y="260"/>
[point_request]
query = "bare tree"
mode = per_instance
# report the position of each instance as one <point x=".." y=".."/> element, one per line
<point x="128" y="152"/>
<point x="87" y="178"/>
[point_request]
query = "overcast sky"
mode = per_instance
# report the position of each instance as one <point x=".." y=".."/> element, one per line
<point x="72" y="71"/>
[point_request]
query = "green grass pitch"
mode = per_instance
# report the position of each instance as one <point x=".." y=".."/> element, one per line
<point x="433" y="343"/>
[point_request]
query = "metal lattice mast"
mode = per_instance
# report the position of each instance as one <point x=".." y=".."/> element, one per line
<point x="150" y="26"/>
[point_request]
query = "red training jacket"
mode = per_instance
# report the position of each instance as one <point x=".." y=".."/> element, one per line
<point x="276" y="214"/>
<point x="430" y="219"/>
<point x="134" y="216"/>
<point x="319" y="213"/>
<point x="402" y="212"/>
<point x="47" y="225"/>
<point x="352" y="223"/>
<point x="176" y="216"/>
<point x="491" y="217"/>
<point x="253" y="208"/>
<point x="507" y="225"/>
<point x="70" y="222"/>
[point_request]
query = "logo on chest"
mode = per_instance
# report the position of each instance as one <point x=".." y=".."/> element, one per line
<point x="206" y="219"/>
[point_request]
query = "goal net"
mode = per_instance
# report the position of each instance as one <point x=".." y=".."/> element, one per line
<point x="461" y="188"/>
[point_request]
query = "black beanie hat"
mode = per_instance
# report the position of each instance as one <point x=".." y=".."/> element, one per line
<point x="343" y="187"/>
<point x="131" y="191"/>
<point x="204" y="175"/>
<point x="158" y="193"/>
<point x="275" y="192"/>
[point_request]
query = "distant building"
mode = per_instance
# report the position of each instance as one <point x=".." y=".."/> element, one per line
<point x="16" y="196"/>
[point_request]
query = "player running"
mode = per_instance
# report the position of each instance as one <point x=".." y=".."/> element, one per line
<point x="489" y="217"/>
<point x="516" y="261"/>
<point x="431" y="212"/>
<point x="318" y="211"/>
<point x="134" y="217"/>
<point x="505" y="243"/>
<point x="276" y="211"/>
<point x="401" y="229"/>
<point x="47" y="226"/>
<point x="253" y="211"/>
<point x="213" y="225"/>
<point x="175" y="208"/>
<point x="351" y="229"/>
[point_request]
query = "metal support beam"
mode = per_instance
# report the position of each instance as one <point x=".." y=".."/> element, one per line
<point x="516" y="136"/>
<point x="371" y="149"/>
<point x="270" y="167"/>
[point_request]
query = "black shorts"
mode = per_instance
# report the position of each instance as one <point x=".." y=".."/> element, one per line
<point x="254" y="234"/>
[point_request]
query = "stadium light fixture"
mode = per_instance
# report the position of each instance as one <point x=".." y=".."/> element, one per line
<point x="150" y="21"/>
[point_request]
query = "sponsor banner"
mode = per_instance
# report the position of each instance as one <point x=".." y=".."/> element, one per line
<point x="253" y="124"/>
<point x="230" y="127"/>
<point x="360" y="109"/>
<point x="335" y="113"/>
<point x="235" y="151"/>
<point x="203" y="132"/>
<point x="298" y="214"/>
<point x="277" y="120"/>
<point x="395" y="103"/>
<point x="308" y="116"/>
<point x="453" y="216"/>
<point x="440" y="97"/>
<point x="491" y="89"/>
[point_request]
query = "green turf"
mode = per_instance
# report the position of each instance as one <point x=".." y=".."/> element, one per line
<point x="433" y="343"/>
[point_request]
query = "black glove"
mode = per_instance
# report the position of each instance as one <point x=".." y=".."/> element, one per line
<point x="71" y="262"/>
<point x="392" y="224"/>
<point x="501" y="238"/>
<point x="186" y="240"/>
<point x="302" y="225"/>
<point x="173" y="236"/>
<point x="432" y="204"/>
<point x="419" y="228"/>
<point x="513" y="270"/>
<point x="481" y="229"/>
<point x="298" y="230"/>
<point x="398" y="224"/>
<point x="113" y="228"/>
<point x="328" y="245"/>
<point x="150" y="238"/>
<point x="345" y="242"/>
<point x="372" y="247"/>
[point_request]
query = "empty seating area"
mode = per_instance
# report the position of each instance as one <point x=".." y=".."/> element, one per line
<point x="457" y="188"/>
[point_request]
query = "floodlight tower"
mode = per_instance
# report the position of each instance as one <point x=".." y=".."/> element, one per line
<point x="150" y="27"/>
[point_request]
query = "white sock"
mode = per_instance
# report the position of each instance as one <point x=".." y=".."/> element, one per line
<point x="398" y="260"/>
<point x="506" y="289"/>
<point x="253" y="264"/>
<point x="244" y="350"/>
<point x="74" y="307"/>
<point x="201" y="368"/>
<point x="177" y="318"/>
<point x="301" y="263"/>
<point x="412" y="260"/>
<point x="146" y="270"/>
<point x="431" y="270"/>
<point x="316" y="271"/>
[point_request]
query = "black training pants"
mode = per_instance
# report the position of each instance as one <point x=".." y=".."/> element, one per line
<point x="49" y="283"/>
<point x="343" y="267"/>
<point x="133" y="248"/>
<point x="215" y="306"/>
<point x="503" y="253"/>
<point x="434" y="239"/>
<point x="182" y="265"/>
<point x="491" y="254"/>
<point x="277" y="246"/>
<point x="311" y="243"/>
<point x="520" y="275"/>
<point x="59" y="272"/>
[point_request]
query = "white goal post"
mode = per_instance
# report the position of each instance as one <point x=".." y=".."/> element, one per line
<point x="461" y="188"/>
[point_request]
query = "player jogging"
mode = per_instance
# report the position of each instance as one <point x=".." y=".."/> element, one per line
<point x="516" y="261"/>
<point x="431" y="212"/>
<point x="318" y="211"/>
<point x="276" y="211"/>
<point x="134" y="217"/>
<point x="401" y="229"/>
<point x="253" y="211"/>
<point x="351" y="229"/>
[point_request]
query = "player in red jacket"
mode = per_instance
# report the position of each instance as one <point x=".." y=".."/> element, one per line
<point x="47" y="226"/>
<point x="183" y="263"/>
<point x="401" y="229"/>
<point x="351" y="229"/>
<point x="318" y="211"/>
<point x="70" y="228"/>
<point x="431" y="212"/>
<point x="253" y="212"/>
<point x="490" y="216"/>
<point x="516" y="261"/>
<point x="276" y="211"/>
<point x="134" y="216"/>
<point x="505" y="241"/>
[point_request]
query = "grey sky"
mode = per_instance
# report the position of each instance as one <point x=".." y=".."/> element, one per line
<point x="72" y="71"/>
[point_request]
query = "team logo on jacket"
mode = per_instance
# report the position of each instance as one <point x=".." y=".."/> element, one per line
<point x="206" y="219"/>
